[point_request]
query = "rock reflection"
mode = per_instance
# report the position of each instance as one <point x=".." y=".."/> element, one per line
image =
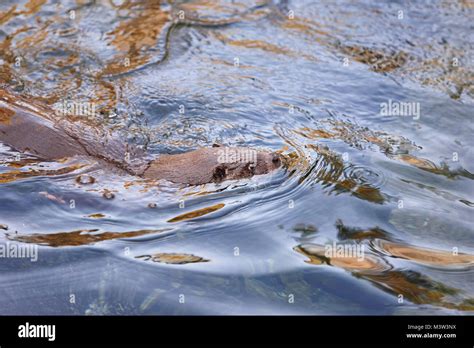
<point x="137" y="36"/>
<point x="354" y="233"/>
<point x="219" y="12"/>
<point x="16" y="175"/>
<point x="404" y="53"/>
<point x="79" y="237"/>
<point x="377" y="60"/>
<point x="172" y="258"/>
<point x="197" y="213"/>
<point x="425" y="256"/>
<point x="375" y="266"/>
<point x="317" y="256"/>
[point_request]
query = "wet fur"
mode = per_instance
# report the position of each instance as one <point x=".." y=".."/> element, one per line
<point x="203" y="166"/>
<point x="35" y="129"/>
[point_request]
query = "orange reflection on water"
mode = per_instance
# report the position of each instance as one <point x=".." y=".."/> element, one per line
<point x="79" y="237"/>
<point x="197" y="213"/>
<point x="173" y="258"/>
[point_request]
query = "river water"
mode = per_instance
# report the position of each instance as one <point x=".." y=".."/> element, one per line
<point x="370" y="103"/>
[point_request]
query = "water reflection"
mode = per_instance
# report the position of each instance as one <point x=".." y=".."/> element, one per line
<point x="412" y="285"/>
<point x="304" y="78"/>
<point x="172" y="258"/>
<point x="80" y="237"/>
<point x="136" y="37"/>
<point x="17" y="175"/>
<point x="197" y="213"/>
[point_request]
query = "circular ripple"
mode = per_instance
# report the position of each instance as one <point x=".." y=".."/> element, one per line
<point x="363" y="176"/>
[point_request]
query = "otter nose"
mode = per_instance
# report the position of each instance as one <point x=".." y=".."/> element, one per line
<point x="276" y="160"/>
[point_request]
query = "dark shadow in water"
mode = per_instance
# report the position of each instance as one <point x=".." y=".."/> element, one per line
<point x="378" y="61"/>
<point x="354" y="233"/>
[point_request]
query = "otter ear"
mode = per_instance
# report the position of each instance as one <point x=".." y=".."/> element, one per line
<point x="219" y="173"/>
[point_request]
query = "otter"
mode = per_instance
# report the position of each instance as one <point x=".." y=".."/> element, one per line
<point x="36" y="128"/>
<point x="205" y="165"/>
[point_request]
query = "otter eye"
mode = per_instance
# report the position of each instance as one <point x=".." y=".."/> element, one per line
<point x="276" y="159"/>
<point x="219" y="173"/>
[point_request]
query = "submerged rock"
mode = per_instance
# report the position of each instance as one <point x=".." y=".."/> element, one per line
<point x="173" y="258"/>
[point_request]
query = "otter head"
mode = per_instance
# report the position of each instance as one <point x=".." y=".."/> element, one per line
<point x="242" y="163"/>
<point x="214" y="164"/>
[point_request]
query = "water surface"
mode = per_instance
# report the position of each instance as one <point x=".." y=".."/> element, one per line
<point x="306" y="78"/>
